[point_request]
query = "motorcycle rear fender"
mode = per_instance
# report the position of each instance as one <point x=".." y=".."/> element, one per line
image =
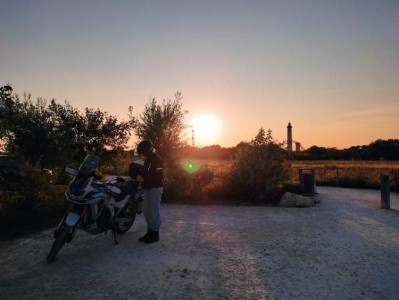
<point x="72" y="219"/>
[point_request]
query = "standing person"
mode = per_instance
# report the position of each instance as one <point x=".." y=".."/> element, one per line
<point x="152" y="184"/>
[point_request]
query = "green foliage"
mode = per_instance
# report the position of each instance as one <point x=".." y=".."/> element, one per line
<point x="30" y="200"/>
<point x="377" y="150"/>
<point x="199" y="179"/>
<point x="177" y="184"/>
<point x="216" y="193"/>
<point x="25" y="126"/>
<point x="54" y="134"/>
<point x="259" y="171"/>
<point x="163" y="124"/>
<point x="382" y="149"/>
<point x="187" y="183"/>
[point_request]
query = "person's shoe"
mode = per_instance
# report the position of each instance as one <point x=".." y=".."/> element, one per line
<point x="152" y="237"/>
<point x="143" y="238"/>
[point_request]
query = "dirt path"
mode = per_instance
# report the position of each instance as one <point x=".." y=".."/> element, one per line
<point x="344" y="248"/>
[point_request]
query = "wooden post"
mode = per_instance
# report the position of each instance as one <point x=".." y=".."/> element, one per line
<point x="385" y="201"/>
<point x="396" y="182"/>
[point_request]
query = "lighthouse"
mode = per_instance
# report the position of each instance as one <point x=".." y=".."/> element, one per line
<point x="289" y="138"/>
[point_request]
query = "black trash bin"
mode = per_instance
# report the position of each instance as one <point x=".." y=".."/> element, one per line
<point x="307" y="180"/>
<point x="308" y="184"/>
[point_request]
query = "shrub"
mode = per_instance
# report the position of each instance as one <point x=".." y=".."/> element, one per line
<point x="216" y="193"/>
<point x="30" y="200"/>
<point x="186" y="183"/>
<point x="259" y="171"/>
<point x="176" y="185"/>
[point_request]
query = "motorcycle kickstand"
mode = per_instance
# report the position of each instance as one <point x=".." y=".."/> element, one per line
<point x="114" y="234"/>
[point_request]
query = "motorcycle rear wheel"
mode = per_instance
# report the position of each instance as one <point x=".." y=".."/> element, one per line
<point x="128" y="211"/>
<point x="58" y="243"/>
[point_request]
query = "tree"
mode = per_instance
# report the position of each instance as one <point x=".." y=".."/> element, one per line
<point x="163" y="124"/>
<point x="54" y="134"/>
<point x="262" y="138"/>
<point x="382" y="149"/>
<point x="25" y="126"/>
<point x="259" y="170"/>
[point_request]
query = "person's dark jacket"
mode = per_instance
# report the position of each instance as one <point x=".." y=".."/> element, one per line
<point x="153" y="172"/>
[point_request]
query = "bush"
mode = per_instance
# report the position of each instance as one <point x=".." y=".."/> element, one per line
<point x="31" y="200"/>
<point x="176" y="185"/>
<point x="259" y="171"/>
<point x="186" y="183"/>
<point x="216" y="193"/>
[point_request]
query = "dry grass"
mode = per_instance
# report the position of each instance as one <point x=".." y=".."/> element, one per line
<point x="341" y="173"/>
<point x="349" y="173"/>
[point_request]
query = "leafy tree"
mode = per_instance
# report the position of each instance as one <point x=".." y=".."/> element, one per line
<point x="259" y="170"/>
<point x="25" y="126"/>
<point x="53" y="134"/>
<point x="377" y="150"/>
<point x="382" y="149"/>
<point x="163" y="125"/>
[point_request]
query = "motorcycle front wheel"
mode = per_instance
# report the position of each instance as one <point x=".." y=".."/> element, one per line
<point x="128" y="213"/>
<point x="58" y="243"/>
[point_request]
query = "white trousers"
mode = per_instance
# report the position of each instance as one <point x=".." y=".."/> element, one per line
<point x="152" y="208"/>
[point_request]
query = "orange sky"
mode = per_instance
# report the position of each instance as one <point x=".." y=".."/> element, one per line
<point x="330" y="68"/>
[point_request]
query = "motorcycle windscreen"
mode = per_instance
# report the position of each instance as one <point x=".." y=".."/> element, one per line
<point x="88" y="166"/>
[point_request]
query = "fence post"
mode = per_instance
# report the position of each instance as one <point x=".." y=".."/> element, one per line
<point x="385" y="201"/>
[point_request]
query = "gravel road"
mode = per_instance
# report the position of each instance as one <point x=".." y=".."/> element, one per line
<point x="344" y="248"/>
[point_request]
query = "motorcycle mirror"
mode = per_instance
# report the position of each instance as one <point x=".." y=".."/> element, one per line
<point x="71" y="171"/>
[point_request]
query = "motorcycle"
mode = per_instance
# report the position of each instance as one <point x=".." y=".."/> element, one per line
<point x="96" y="206"/>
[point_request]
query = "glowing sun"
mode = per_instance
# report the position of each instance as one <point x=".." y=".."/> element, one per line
<point x="206" y="128"/>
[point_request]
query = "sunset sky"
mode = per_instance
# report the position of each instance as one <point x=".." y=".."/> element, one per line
<point x="331" y="68"/>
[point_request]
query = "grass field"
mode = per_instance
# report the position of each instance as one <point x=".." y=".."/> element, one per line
<point x="356" y="174"/>
<point x="360" y="174"/>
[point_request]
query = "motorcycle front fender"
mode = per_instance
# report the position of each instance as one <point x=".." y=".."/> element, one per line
<point x="72" y="219"/>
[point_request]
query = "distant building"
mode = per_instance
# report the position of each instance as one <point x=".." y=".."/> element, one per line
<point x="297" y="147"/>
<point x="290" y="141"/>
<point x="289" y="138"/>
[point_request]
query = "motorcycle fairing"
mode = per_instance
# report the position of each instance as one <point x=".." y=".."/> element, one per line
<point x="72" y="219"/>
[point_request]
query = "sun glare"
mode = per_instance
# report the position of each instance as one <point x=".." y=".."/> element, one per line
<point x="206" y="129"/>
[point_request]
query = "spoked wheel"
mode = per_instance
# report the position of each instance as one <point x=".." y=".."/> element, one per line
<point x="58" y="243"/>
<point x="125" y="218"/>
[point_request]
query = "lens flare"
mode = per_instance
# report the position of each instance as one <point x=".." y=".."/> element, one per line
<point x="191" y="166"/>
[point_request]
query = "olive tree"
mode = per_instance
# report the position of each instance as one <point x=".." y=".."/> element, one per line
<point x="163" y="124"/>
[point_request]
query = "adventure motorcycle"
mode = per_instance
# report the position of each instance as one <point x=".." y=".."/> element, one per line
<point x="96" y="206"/>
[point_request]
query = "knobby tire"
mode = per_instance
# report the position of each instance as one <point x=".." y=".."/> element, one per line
<point x="128" y="211"/>
<point x="58" y="243"/>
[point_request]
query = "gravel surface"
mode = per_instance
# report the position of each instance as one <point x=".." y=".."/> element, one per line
<point x="344" y="248"/>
